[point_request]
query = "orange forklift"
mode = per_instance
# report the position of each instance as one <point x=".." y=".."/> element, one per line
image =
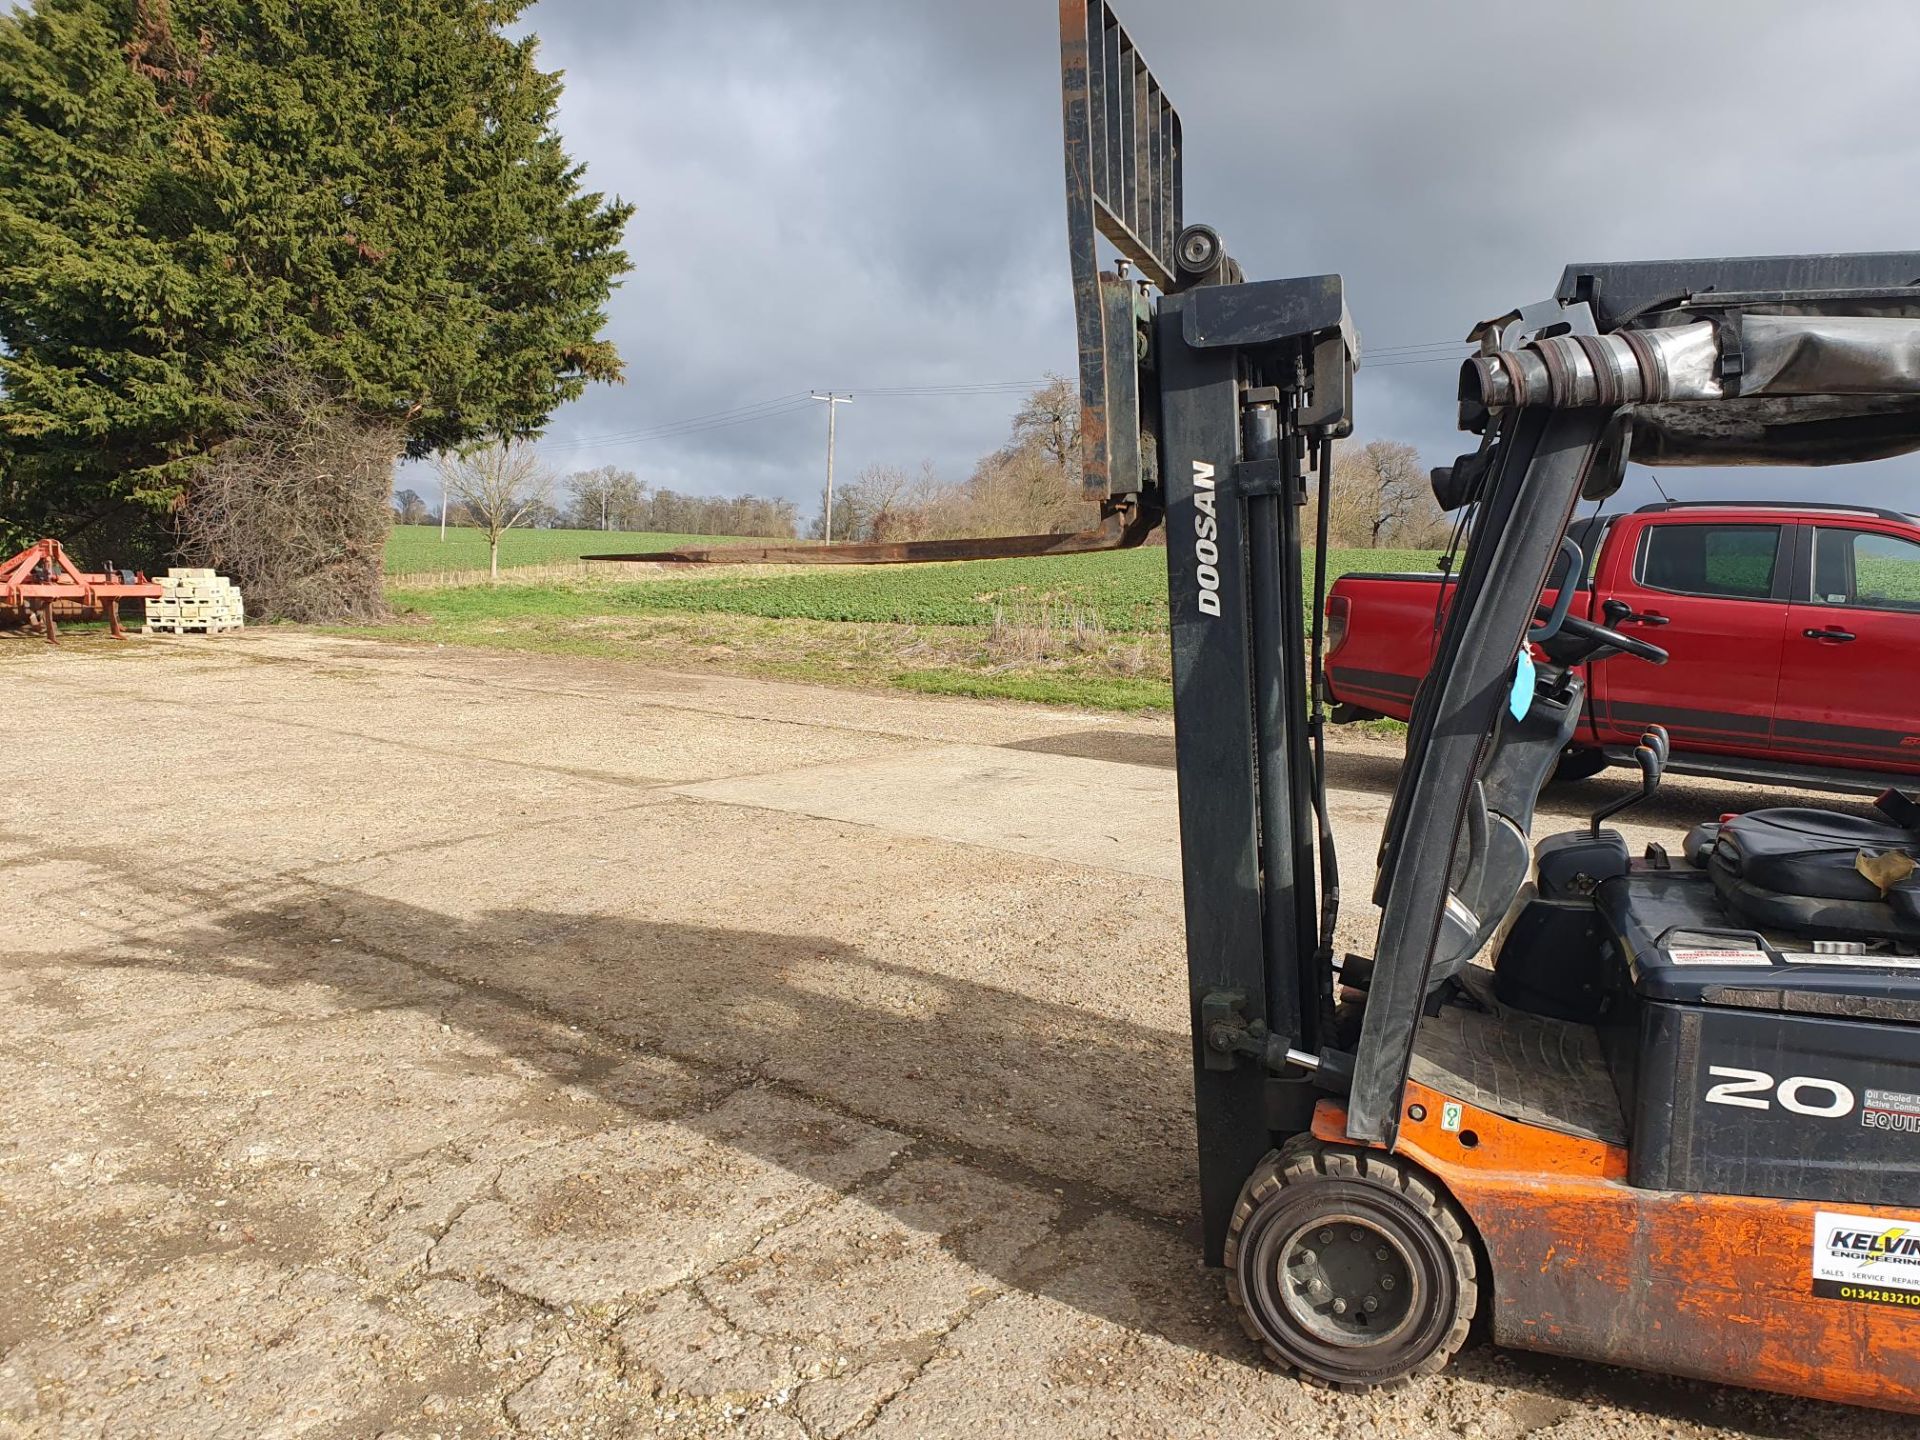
<point x="1656" y="1110"/>
<point x="1659" y="1110"/>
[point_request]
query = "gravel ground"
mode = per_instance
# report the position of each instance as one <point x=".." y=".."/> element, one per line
<point x="445" y="1043"/>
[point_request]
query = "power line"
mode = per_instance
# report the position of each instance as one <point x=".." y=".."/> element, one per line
<point x="974" y="387"/>
<point x="1424" y="345"/>
<point x="716" y="417"/>
<point x="1381" y="357"/>
<point x="722" y="420"/>
<point x="792" y="404"/>
<point x="738" y="409"/>
<point x="1366" y="365"/>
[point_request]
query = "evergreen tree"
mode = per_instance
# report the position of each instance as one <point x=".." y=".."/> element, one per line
<point x="196" y="193"/>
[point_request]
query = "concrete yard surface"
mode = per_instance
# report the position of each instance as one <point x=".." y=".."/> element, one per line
<point x="428" y="1042"/>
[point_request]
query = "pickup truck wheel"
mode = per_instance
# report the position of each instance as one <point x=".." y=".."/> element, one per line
<point x="1350" y="1267"/>
<point x="1579" y="764"/>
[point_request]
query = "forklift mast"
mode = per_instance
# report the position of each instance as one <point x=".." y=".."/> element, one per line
<point x="1215" y="404"/>
<point x="1659" y="1057"/>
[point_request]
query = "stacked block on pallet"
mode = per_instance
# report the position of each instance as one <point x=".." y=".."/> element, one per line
<point x="195" y="600"/>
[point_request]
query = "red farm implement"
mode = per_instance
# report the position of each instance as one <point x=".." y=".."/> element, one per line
<point x="41" y="576"/>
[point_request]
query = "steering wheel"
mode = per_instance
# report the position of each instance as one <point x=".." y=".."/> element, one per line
<point x="1593" y="642"/>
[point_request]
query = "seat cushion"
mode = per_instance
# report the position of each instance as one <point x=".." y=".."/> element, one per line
<point x="1798" y="869"/>
<point x="1811" y="852"/>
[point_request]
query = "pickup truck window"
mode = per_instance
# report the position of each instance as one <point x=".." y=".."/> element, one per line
<point x="1735" y="562"/>
<point x="1865" y="569"/>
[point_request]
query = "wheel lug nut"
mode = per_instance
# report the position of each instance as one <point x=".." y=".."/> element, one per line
<point x="1357" y="1236"/>
<point x="1339" y="1307"/>
<point x="1381" y="1253"/>
<point x="1370" y="1304"/>
<point x="1326" y="1237"/>
<point x="1386" y="1282"/>
<point x="1306" y="1257"/>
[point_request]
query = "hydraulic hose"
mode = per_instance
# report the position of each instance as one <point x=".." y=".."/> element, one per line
<point x="1317" y="721"/>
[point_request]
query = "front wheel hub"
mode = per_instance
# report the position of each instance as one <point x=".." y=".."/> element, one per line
<point x="1337" y="1288"/>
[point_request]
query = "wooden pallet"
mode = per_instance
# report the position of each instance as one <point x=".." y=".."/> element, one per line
<point x="181" y="626"/>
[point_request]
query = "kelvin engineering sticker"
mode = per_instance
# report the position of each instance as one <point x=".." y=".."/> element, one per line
<point x="1858" y="1257"/>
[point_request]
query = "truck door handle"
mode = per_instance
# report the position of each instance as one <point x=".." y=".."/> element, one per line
<point x="1618" y="612"/>
<point x="1832" y="632"/>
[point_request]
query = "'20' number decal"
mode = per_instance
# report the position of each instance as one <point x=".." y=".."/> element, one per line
<point x="1802" y="1094"/>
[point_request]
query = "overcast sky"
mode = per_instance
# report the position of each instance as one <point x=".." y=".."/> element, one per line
<point x="867" y="194"/>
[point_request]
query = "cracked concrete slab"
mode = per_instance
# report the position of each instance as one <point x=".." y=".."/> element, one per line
<point x="434" y="1065"/>
<point x="620" y="1215"/>
<point x="179" y="1353"/>
<point x="1085" y="812"/>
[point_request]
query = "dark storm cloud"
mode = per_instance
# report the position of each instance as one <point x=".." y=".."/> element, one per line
<point x="867" y="193"/>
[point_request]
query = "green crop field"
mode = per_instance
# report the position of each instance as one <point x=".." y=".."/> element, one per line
<point x="1125" y="589"/>
<point x="1086" y="630"/>
<point x="418" y="549"/>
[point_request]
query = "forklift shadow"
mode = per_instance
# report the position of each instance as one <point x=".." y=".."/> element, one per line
<point x="1083" y="1120"/>
<point x="1371" y="769"/>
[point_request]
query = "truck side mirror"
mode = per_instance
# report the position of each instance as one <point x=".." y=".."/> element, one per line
<point x="1459" y="484"/>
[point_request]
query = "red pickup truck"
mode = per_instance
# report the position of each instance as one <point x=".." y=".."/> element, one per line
<point x="1794" y="632"/>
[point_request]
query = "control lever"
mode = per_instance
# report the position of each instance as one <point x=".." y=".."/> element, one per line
<point x="1651" y="756"/>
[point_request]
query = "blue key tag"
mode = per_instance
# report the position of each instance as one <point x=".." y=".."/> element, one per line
<point x="1521" y="700"/>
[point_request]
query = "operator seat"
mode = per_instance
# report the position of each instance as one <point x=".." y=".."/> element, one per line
<point x="1805" y="871"/>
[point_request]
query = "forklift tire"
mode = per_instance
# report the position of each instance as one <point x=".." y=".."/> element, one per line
<point x="1350" y="1267"/>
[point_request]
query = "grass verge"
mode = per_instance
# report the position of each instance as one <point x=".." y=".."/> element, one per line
<point x="418" y="549"/>
<point x="1106" y="672"/>
<point x="1088" y="631"/>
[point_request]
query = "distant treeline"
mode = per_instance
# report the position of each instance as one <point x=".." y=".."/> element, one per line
<point x="1030" y="485"/>
<point x="613" y="499"/>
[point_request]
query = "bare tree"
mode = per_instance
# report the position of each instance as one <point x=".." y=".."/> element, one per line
<point x="607" y="498"/>
<point x="1031" y="485"/>
<point x="412" y="509"/>
<point x="296" y="507"/>
<point x="500" y="485"/>
<point x="1050" y="420"/>
<point x="1024" y="490"/>
<point x="542" y="516"/>
<point x="1381" y="496"/>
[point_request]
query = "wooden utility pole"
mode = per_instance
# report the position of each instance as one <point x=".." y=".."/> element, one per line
<point x="833" y="404"/>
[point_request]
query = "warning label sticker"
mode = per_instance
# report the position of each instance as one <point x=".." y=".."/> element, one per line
<point x="1858" y="962"/>
<point x="1719" y="957"/>
<point x="1891" y="1110"/>
<point x="1866" y="1259"/>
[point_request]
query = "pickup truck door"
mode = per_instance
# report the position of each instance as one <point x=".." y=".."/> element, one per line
<point x="1850" y="679"/>
<point x="1713" y="594"/>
